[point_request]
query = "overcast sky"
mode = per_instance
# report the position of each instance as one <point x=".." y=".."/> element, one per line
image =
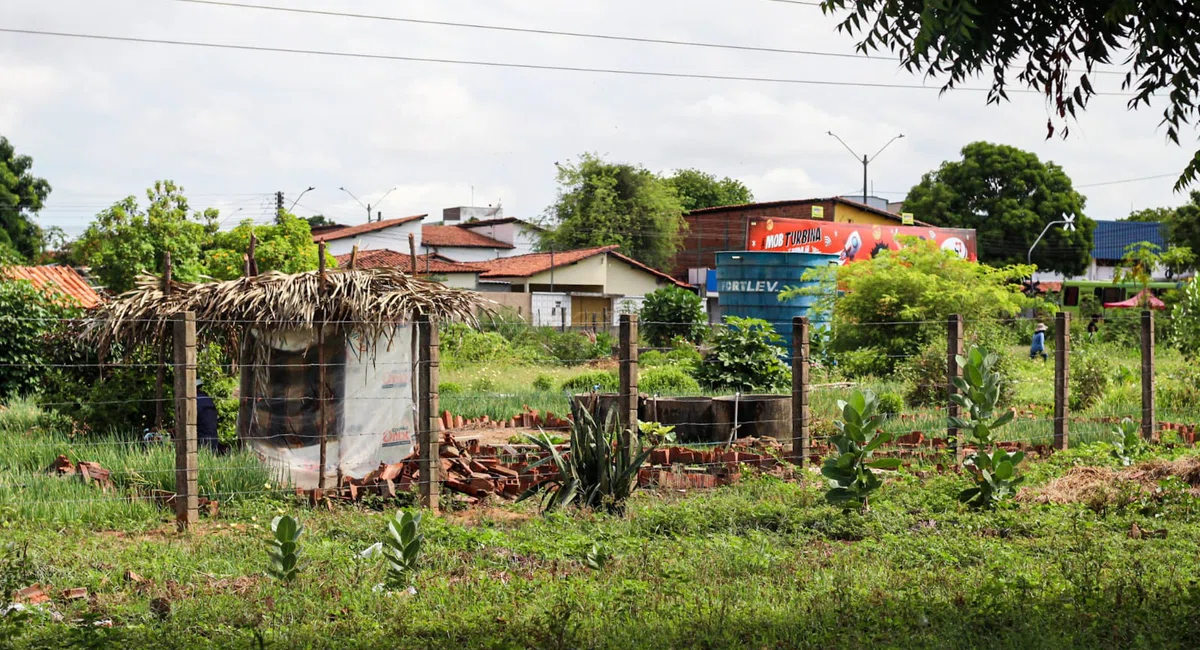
<point x="104" y="119"/>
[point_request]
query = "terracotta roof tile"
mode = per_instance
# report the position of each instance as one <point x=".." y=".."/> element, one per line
<point x="362" y="229"/>
<point x="456" y="237"/>
<point x="63" y="279"/>
<point x="384" y="257"/>
<point x="523" y="266"/>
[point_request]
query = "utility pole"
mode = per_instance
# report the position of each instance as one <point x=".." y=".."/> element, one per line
<point x="278" y="207"/>
<point x="866" y="160"/>
<point x="367" y="206"/>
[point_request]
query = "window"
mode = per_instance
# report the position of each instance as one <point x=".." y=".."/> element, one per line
<point x="1070" y="296"/>
<point x="1113" y="294"/>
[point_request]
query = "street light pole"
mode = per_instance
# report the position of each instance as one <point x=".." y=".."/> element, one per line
<point x="310" y="188"/>
<point x="1068" y="224"/>
<point x="866" y="161"/>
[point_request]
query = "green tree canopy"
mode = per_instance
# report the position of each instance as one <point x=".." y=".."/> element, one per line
<point x="285" y="245"/>
<point x="698" y="190"/>
<point x="1183" y="222"/>
<point x="604" y="204"/>
<point x="893" y="304"/>
<point x="126" y="240"/>
<point x="21" y="196"/>
<point x="1053" y="47"/>
<point x="1008" y="196"/>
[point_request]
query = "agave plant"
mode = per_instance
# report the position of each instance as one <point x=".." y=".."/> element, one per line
<point x="600" y="470"/>
<point x="283" y="555"/>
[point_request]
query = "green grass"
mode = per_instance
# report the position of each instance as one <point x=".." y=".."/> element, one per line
<point x="761" y="564"/>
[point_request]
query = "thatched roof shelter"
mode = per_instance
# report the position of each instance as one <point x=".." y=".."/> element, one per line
<point x="367" y="302"/>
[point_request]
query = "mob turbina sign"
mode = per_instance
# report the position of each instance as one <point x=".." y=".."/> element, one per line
<point x="850" y="241"/>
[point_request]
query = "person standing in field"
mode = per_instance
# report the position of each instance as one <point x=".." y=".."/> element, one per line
<point x="1038" y="346"/>
<point x="1093" y="327"/>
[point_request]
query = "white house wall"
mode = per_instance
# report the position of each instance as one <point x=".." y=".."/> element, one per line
<point x="546" y="308"/>
<point x="469" y="254"/>
<point x="394" y="238"/>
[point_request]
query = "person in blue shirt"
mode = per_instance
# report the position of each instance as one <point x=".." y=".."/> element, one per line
<point x="1038" y="347"/>
<point x="206" y="421"/>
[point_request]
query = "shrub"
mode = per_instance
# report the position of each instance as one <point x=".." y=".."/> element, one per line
<point x="995" y="474"/>
<point x="1129" y="444"/>
<point x="744" y="358"/>
<point x="851" y="480"/>
<point x="925" y="376"/>
<point x="668" y="381"/>
<point x="652" y="358"/>
<point x="574" y="348"/>
<point x="1185" y="317"/>
<point x="584" y="383"/>
<point x="890" y="405"/>
<point x="449" y="388"/>
<point x="484" y="385"/>
<point x="1089" y="378"/>
<point x="461" y="345"/>
<point x="27" y="315"/>
<point x="685" y="355"/>
<point x="864" y="362"/>
<point x="543" y="383"/>
<point x="672" y="313"/>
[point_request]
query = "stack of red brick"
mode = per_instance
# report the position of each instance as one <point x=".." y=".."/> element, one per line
<point x="528" y="419"/>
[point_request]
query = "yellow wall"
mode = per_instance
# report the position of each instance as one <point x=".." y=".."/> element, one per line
<point x="629" y="280"/>
<point x="843" y="213"/>
<point x="588" y="272"/>
<point x="607" y="274"/>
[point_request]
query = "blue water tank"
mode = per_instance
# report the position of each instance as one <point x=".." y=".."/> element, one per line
<point x="749" y="283"/>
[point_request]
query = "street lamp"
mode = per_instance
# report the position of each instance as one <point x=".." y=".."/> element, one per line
<point x="1068" y="224"/>
<point x="368" y="205"/>
<point x="865" y="160"/>
<point x="310" y="188"/>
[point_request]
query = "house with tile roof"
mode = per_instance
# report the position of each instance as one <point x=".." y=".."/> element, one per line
<point x="446" y="271"/>
<point x="59" y="279"/>
<point x="480" y="241"/>
<point x="386" y="233"/>
<point x="585" y="287"/>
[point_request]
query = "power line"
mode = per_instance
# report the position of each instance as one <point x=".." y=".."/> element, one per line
<point x="550" y="32"/>
<point x="1129" y="180"/>
<point x="497" y="64"/>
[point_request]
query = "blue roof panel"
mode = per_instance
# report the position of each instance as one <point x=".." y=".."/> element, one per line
<point x="1111" y="238"/>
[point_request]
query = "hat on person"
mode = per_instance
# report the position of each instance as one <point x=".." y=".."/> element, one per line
<point x="199" y="383"/>
<point x="1041" y="327"/>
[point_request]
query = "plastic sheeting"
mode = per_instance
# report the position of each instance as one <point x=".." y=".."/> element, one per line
<point x="369" y="414"/>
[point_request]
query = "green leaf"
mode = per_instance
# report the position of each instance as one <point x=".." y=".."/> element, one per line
<point x="886" y="463"/>
<point x="1004" y="470"/>
<point x="1004" y="419"/>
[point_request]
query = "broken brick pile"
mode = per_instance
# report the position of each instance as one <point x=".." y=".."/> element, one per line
<point x="89" y="472"/>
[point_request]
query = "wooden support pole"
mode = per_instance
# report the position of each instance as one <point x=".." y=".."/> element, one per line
<point x="429" y="455"/>
<point x="801" y="436"/>
<point x="186" y="466"/>
<point x="250" y="254"/>
<point x="627" y="356"/>
<point x="160" y="377"/>
<point x="322" y="392"/>
<point x="412" y="253"/>
<point x="1062" y="377"/>
<point x="1148" y="406"/>
<point x="954" y="349"/>
<point x="353" y="257"/>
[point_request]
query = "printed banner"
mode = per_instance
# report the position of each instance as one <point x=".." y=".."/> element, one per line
<point x="850" y="241"/>
<point x="369" y="412"/>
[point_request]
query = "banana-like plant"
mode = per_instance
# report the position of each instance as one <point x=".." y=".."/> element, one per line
<point x="600" y="470"/>
<point x="402" y="548"/>
<point x="283" y="554"/>
<point x="1129" y="444"/>
<point x="851" y="480"/>
<point x="994" y="472"/>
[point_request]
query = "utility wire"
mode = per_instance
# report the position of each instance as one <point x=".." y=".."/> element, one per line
<point x="547" y="32"/>
<point x="497" y="64"/>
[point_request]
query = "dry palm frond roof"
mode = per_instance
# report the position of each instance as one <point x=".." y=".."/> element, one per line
<point x="367" y="302"/>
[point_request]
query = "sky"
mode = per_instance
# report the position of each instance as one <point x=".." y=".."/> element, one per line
<point x="105" y="119"/>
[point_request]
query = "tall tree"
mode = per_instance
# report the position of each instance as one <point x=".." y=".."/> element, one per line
<point x="285" y="245"/>
<point x="1008" y="196"/>
<point x="21" y="196"/>
<point x="603" y="204"/>
<point x="126" y="240"/>
<point x="698" y="190"/>
<point x="1054" y="45"/>
<point x="1183" y="222"/>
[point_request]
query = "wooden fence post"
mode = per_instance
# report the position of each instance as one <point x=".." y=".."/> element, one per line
<point x="1148" y="406"/>
<point x="160" y="377"/>
<point x="1062" y="377"/>
<point x="429" y="464"/>
<point x="322" y="393"/>
<point x="801" y="436"/>
<point x="627" y="355"/>
<point x="954" y="348"/>
<point x="186" y="467"/>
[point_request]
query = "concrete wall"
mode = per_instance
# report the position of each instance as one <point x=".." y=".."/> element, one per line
<point x="547" y="307"/>
<point x="518" y="302"/>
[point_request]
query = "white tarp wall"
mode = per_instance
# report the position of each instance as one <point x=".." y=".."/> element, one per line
<point x="370" y="416"/>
